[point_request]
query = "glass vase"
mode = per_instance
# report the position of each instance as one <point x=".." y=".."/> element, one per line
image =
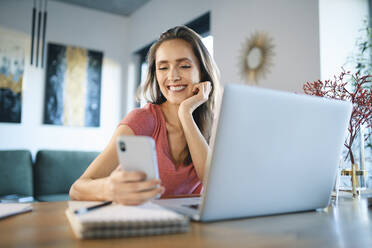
<point x="353" y="177"/>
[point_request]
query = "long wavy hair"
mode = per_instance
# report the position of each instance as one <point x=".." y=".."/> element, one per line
<point x="203" y="115"/>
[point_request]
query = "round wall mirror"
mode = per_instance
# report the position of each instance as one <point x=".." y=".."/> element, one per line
<point x="257" y="56"/>
<point x="254" y="58"/>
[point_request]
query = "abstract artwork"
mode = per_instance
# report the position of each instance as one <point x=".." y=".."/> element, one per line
<point x="12" y="65"/>
<point x="73" y="86"/>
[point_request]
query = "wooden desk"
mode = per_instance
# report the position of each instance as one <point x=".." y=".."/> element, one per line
<point x="346" y="225"/>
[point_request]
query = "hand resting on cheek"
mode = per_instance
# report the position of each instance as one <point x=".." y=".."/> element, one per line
<point x="201" y="93"/>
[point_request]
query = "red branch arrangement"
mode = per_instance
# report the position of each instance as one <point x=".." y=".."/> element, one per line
<point x="359" y="94"/>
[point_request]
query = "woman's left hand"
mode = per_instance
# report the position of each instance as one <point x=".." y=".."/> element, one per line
<point x="201" y="91"/>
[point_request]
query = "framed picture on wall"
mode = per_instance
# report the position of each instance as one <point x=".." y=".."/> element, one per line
<point x="13" y="46"/>
<point x="73" y="86"/>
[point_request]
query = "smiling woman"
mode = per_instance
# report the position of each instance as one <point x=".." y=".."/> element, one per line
<point x="181" y="81"/>
<point x="178" y="72"/>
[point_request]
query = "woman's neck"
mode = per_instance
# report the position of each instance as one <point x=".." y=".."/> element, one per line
<point x="170" y="112"/>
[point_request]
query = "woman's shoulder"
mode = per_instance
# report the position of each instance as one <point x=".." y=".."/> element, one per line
<point x="148" y="111"/>
<point x="142" y="120"/>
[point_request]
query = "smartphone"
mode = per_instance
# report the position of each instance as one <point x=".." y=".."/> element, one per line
<point x="138" y="153"/>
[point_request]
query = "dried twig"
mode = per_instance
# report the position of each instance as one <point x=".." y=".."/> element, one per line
<point x="359" y="95"/>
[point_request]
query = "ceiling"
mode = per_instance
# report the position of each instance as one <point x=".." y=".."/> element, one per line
<point x="119" y="7"/>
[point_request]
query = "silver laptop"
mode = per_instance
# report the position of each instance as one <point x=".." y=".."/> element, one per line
<point x="273" y="152"/>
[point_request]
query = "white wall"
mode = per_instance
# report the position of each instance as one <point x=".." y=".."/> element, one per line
<point x="340" y="22"/>
<point x="293" y="25"/>
<point x="76" y="26"/>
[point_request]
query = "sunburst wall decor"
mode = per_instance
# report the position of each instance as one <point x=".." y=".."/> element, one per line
<point x="256" y="57"/>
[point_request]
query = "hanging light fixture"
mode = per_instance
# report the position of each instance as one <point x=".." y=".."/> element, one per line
<point x="33" y="32"/>
<point x="41" y="19"/>
<point x="38" y="34"/>
<point x="44" y="32"/>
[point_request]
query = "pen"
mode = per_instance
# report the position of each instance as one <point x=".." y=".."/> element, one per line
<point x="85" y="210"/>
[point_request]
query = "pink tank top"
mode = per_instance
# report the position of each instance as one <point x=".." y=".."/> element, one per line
<point x="177" y="180"/>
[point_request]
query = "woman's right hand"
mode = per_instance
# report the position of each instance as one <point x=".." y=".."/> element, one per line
<point x="131" y="187"/>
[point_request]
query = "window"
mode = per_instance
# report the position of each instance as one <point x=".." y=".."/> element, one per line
<point x="208" y="42"/>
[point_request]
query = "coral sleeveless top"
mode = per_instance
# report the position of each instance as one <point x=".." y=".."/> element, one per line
<point x="177" y="179"/>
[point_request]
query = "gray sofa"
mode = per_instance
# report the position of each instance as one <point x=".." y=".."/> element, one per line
<point x="49" y="178"/>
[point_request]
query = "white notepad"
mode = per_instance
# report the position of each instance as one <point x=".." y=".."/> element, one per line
<point x="9" y="209"/>
<point x="123" y="221"/>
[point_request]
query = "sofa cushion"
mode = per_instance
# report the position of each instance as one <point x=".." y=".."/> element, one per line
<point x="56" y="171"/>
<point x="16" y="172"/>
<point x="53" y="198"/>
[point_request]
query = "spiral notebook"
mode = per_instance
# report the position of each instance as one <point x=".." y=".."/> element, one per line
<point x="115" y="221"/>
